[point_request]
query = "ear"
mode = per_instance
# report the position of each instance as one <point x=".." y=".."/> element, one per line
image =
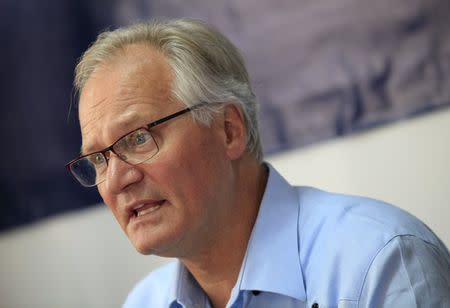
<point x="235" y="131"/>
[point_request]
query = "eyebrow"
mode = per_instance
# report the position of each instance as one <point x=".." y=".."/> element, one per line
<point x="83" y="151"/>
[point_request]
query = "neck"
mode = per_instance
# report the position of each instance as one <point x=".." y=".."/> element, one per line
<point x="217" y="269"/>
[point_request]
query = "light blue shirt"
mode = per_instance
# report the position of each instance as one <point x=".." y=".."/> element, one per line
<point x="311" y="248"/>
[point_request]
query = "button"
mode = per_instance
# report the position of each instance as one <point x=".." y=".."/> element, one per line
<point x="256" y="292"/>
<point x="315" y="305"/>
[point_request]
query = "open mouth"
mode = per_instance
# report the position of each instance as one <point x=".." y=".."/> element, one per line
<point x="147" y="208"/>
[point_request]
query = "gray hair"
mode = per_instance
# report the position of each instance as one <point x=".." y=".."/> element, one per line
<point x="207" y="67"/>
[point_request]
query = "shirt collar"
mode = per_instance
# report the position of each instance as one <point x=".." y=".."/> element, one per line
<point x="271" y="262"/>
<point x="185" y="290"/>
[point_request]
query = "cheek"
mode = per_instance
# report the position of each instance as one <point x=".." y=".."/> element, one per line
<point x="192" y="168"/>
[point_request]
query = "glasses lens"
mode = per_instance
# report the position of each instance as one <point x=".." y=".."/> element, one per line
<point x="136" y="147"/>
<point x="89" y="170"/>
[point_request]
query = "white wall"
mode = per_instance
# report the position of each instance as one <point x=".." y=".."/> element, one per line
<point x="72" y="261"/>
<point x="407" y="164"/>
<point x="83" y="259"/>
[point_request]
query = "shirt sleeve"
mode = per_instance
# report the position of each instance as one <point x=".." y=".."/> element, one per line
<point x="408" y="272"/>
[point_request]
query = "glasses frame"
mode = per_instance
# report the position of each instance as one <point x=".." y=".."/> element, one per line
<point x="147" y="127"/>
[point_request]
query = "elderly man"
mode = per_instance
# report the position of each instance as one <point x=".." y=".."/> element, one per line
<point x="170" y="139"/>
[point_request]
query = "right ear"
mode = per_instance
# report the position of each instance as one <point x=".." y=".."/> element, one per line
<point x="235" y="131"/>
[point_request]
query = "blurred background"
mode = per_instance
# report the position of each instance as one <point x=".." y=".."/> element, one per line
<point x="354" y="97"/>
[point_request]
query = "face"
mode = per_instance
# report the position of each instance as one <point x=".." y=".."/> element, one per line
<point x="178" y="202"/>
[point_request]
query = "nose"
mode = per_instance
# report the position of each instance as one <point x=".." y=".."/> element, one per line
<point x="120" y="174"/>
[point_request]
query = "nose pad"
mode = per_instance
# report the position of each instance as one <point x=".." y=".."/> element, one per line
<point x="123" y="157"/>
<point x="107" y="155"/>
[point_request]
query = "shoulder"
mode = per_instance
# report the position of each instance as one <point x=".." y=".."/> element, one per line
<point x="153" y="290"/>
<point x="347" y="214"/>
<point x="341" y="235"/>
<point x="408" y="272"/>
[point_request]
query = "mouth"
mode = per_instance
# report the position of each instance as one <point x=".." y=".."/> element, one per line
<point x="146" y="208"/>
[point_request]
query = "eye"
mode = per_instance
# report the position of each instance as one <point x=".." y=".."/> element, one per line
<point x="97" y="158"/>
<point x="138" y="138"/>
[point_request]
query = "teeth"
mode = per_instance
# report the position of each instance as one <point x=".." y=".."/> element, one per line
<point x="146" y="211"/>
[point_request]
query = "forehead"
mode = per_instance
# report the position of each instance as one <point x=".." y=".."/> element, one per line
<point x="122" y="94"/>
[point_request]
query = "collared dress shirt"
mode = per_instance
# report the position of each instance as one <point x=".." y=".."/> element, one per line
<point x="311" y="248"/>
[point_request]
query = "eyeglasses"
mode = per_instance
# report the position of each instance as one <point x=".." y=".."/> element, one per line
<point x="135" y="147"/>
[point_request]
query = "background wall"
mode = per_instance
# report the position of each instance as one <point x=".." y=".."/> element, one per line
<point x="84" y="260"/>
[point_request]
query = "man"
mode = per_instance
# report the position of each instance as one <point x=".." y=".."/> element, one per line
<point x="170" y="139"/>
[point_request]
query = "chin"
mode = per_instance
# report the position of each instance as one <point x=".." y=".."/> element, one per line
<point x="157" y="241"/>
<point x="144" y="250"/>
<point x="143" y="246"/>
<point x="146" y="246"/>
